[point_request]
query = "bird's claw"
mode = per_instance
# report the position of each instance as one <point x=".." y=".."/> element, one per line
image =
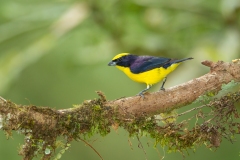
<point x="162" y="89"/>
<point x="141" y="94"/>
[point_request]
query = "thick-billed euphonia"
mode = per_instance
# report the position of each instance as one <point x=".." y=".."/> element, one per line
<point x="146" y="69"/>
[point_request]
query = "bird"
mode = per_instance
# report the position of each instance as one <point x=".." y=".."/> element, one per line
<point x="146" y="69"/>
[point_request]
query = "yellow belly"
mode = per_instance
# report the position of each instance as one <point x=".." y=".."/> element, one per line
<point x="150" y="77"/>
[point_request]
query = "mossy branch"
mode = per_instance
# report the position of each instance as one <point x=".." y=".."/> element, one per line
<point x="43" y="125"/>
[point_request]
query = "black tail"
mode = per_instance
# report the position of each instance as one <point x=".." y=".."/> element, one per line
<point x="172" y="61"/>
<point x="180" y="60"/>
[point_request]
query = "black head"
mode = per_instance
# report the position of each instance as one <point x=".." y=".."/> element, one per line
<point x="122" y="59"/>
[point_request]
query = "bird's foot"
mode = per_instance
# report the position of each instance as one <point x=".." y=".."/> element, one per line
<point x="141" y="94"/>
<point x="162" y="89"/>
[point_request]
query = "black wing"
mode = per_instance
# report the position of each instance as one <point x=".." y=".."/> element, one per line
<point x="146" y="63"/>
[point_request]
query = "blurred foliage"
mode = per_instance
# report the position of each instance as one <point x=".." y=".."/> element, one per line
<point x="54" y="53"/>
<point x="88" y="32"/>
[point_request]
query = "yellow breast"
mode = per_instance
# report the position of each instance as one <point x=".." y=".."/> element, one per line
<point x="149" y="77"/>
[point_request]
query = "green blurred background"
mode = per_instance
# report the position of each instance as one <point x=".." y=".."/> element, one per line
<point x="55" y="53"/>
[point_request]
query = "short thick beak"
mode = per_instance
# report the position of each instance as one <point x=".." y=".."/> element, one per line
<point x="112" y="63"/>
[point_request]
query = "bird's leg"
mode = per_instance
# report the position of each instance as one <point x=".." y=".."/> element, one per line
<point x="162" y="87"/>
<point x="141" y="93"/>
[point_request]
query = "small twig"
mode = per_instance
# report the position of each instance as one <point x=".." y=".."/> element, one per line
<point x="3" y="99"/>
<point x="91" y="147"/>
<point x="141" y="146"/>
<point x="178" y="115"/>
<point x="130" y="143"/>
<point x="159" y="154"/>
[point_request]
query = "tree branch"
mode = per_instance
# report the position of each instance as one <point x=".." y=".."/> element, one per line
<point x="42" y="125"/>
<point x="181" y="95"/>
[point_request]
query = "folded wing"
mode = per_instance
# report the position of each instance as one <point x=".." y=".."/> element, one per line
<point x="146" y="63"/>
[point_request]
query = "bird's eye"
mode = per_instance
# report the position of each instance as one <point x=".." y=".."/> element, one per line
<point x="117" y="60"/>
<point x="120" y="59"/>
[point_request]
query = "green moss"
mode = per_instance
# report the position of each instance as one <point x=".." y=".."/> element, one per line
<point x="92" y="117"/>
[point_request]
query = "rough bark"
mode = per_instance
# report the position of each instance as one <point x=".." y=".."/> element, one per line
<point x="172" y="98"/>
